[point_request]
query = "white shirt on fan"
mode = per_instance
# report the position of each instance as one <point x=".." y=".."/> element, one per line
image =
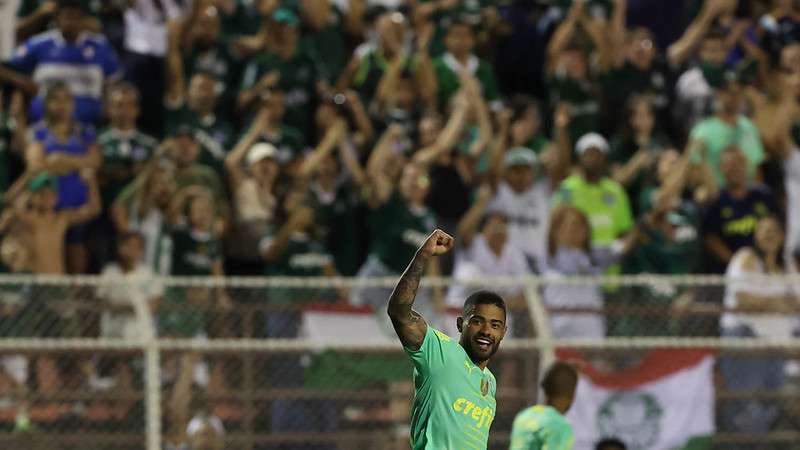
<point x="479" y="261"/>
<point x="528" y="215"/>
<point x="762" y="325"/>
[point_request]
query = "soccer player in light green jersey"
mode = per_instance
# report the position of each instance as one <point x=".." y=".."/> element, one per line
<point x="543" y="427"/>
<point x="454" y="403"/>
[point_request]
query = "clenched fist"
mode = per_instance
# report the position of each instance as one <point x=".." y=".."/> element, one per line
<point x="437" y="243"/>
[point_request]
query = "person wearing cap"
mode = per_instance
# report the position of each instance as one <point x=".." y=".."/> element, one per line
<point x="84" y="61"/>
<point x="293" y="68"/>
<point x="252" y="168"/>
<point x="524" y="189"/>
<point x="727" y="127"/>
<point x="602" y="199"/>
<point x="37" y="210"/>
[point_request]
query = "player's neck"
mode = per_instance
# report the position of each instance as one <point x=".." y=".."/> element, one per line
<point x="559" y="404"/>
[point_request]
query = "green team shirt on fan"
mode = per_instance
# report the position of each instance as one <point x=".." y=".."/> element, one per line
<point x="541" y="427"/>
<point x="447" y="67"/>
<point x="582" y="95"/>
<point x="298" y="77"/>
<point x="717" y="135"/>
<point x="194" y="253"/>
<point x="605" y="204"/>
<point x="398" y="231"/>
<point x="213" y="134"/>
<point x="302" y="257"/>
<point x="122" y="151"/>
<point x="454" y="400"/>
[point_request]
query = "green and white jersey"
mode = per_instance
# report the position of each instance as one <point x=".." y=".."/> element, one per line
<point x="541" y="427"/>
<point x="454" y="400"/>
<point x="397" y="232"/>
<point x="298" y="77"/>
<point x="217" y="61"/>
<point x="194" y="253"/>
<point x="214" y="134"/>
<point x="302" y="257"/>
<point x="447" y="67"/>
<point x="583" y="97"/>
<point x="122" y="151"/>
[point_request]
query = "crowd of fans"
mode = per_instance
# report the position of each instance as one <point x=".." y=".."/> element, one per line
<point x="329" y="137"/>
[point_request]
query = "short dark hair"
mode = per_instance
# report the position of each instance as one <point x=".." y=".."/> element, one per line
<point x="610" y="443"/>
<point x="124" y="87"/>
<point x="484" y="297"/>
<point x="560" y="380"/>
<point x="55" y="87"/>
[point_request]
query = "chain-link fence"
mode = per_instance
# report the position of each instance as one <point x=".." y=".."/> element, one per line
<point x="290" y="364"/>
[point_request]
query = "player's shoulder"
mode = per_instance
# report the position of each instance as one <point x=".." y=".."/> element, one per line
<point x="439" y="335"/>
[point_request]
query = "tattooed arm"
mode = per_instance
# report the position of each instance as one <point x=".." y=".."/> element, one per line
<point x="409" y="325"/>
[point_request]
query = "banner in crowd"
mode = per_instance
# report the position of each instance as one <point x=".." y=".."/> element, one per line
<point x="664" y="403"/>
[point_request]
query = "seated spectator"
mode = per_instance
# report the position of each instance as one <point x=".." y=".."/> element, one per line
<point x="142" y="207"/>
<point x="635" y="151"/>
<point x="460" y="57"/>
<point x="91" y="61"/>
<point x="730" y="221"/>
<point x="601" y="199"/>
<point x="728" y="127"/>
<point x="763" y="309"/>
<point x="292" y="68"/>
<point x="252" y="173"/>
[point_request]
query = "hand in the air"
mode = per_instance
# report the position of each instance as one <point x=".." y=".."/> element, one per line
<point x="437" y="243"/>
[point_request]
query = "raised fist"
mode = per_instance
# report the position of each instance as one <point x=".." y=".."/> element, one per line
<point x="437" y="243"/>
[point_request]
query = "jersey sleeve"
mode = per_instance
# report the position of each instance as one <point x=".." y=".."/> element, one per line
<point x="431" y="353"/>
<point x="623" y="219"/>
<point x="25" y="57"/>
<point x="523" y="434"/>
<point x="558" y="437"/>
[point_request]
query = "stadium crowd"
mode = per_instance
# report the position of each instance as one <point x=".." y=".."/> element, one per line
<point x="329" y="137"/>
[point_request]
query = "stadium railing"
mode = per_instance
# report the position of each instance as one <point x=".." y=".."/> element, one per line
<point x="290" y="363"/>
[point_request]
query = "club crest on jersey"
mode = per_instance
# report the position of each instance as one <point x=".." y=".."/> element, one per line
<point x="484" y="387"/>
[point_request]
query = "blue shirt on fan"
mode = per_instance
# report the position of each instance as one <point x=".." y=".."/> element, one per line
<point x="72" y="190"/>
<point x="84" y="65"/>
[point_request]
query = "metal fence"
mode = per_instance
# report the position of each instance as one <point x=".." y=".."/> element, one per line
<point x="290" y="364"/>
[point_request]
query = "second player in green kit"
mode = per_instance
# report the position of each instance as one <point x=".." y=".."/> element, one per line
<point x="454" y="401"/>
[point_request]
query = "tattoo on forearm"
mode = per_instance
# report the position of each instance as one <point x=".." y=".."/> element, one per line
<point x="406" y="289"/>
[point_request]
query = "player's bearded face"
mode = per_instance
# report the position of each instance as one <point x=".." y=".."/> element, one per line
<point x="482" y="328"/>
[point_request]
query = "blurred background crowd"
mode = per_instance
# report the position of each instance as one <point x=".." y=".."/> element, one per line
<point x="329" y="137"/>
